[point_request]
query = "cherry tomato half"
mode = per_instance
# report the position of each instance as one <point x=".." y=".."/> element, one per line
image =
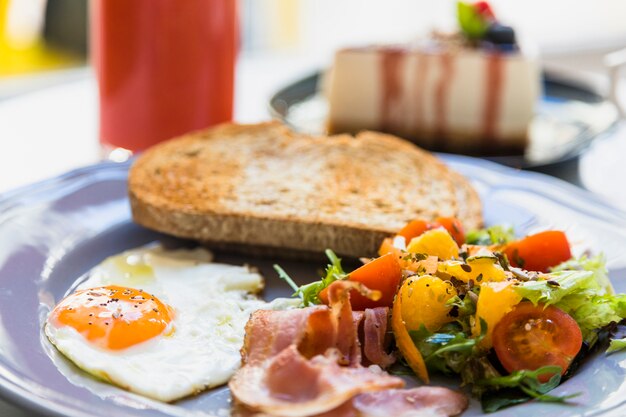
<point x="413" y="229"/>
<point x="454" y="227"/>
<point x="540" y="251"/>
<point x="417" y="227"/>
<point x="382" y="274"/>
<point x="529" y="337"/>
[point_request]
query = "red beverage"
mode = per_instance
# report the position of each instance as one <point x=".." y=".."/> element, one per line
<point x="164" y="67"/>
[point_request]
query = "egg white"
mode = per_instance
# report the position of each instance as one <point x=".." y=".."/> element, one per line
<point x="212" y="303"/>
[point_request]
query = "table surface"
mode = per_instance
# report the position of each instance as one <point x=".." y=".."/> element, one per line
<point x="51" y="130"/>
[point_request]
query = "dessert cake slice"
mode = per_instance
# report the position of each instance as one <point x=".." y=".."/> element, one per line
<point x="470" y="92"/>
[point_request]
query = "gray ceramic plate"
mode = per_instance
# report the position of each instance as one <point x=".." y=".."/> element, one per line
<point x="53" y="232"/>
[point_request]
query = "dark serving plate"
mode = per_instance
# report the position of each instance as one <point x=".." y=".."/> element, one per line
<point x="569" y="116"/>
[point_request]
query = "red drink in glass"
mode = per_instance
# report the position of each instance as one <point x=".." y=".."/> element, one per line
<point x="164" y="67"/>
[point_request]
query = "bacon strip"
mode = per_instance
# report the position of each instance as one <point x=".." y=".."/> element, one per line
<point x="289" y="385"/>
<point x="375" y="329"/>
<point x="294" y="366"/>
<point x="416" y="402"/>
<point x="315" y="330"/>
<point x="347" y="333"/>
<point x="269" y="332"/>
<point x="422" y="401"/>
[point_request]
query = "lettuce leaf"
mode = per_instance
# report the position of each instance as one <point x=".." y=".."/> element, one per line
<point x="494" y="235"/>
<point x="616" y="344"/>
<point x="595" y="311"/>
<point x="596" y="264"/>
<point x="521" y="386"/>
<point x="309" y="293"/>
<point x="558" y="285"/>
<point x="449" y="349"/>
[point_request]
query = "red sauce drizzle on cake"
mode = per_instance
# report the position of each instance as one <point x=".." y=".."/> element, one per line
<point x="392" y="86"/>
<point x="420" y="89"/>
<point x="441" y="97"/>
<point x="494" y="80"/>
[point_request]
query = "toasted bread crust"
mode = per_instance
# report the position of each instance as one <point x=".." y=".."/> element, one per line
<point x="265" y="185"/>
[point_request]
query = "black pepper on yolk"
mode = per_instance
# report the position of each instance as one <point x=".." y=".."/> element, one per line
<point x="113" y="317"/>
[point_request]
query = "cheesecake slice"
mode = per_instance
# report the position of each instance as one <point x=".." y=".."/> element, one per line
<point x="446" y="93"/>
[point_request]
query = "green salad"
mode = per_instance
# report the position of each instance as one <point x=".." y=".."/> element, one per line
<point x="511" y="318"/>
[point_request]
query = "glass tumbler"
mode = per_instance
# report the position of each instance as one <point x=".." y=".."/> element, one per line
<point x="164" y="67"/>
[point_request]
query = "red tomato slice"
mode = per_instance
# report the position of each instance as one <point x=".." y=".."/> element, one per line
<point x="417" y="227"/>
<point x="414" y="228"/>
<point x="382" y="274"/>
<point x="540" y="251"/>
<point x="454" y="227"/>
<point x="529" y="337"/>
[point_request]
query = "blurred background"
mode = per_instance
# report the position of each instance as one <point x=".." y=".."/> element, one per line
<point x="48" y="99"/>
<point x="39" y="37"/>
<point x="48" y="94"/>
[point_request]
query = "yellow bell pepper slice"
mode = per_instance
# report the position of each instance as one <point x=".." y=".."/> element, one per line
<point x="404" y="342"/>
<point x="424" y="302"/>
<point x="436" y="242"/>
<point x="496" y="299"/>
<point x="478" y="270"/>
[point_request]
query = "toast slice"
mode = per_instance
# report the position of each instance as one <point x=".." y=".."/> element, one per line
<point x="265" y="186"/>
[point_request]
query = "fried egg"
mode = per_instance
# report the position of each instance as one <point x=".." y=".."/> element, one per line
<point x="164" y="324"/>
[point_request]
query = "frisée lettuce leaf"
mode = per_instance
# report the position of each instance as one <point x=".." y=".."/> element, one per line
<point x="593" y="312"/>
<point x="595" y="264"/>
<point x="556" y="286"/>
<point x="581" y="288"/>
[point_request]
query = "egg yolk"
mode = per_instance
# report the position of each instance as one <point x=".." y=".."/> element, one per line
<point x="113" y="317"/>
